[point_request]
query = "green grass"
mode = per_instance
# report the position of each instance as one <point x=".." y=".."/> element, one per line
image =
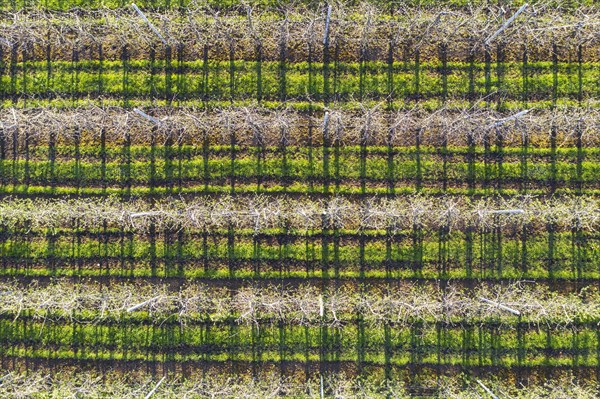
<point x="303" y="82"/>
<point x="161" y="172"/>
<point x="557" y="256"/>
<point x="137" y="170"/>
<point x="487" y="345"/>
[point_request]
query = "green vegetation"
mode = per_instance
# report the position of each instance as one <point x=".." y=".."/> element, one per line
<point x="190" y="80"/>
